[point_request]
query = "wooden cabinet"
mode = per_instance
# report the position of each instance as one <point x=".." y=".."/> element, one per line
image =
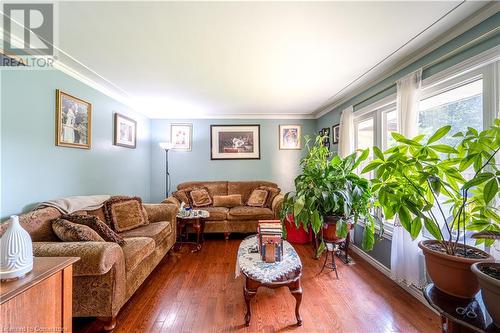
<point x="42" y="300"/>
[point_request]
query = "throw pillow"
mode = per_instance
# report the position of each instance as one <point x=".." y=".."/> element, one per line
<point x="200" y="198"/>
<point x="72" y="232"/>
<point x="273" y="192"/>
<point x="182" y="196"/>
<point x="233" y="200"/>
<point x="97" y="225"/>
<point x="124" y="213"/>
<point x="258" y="198"/>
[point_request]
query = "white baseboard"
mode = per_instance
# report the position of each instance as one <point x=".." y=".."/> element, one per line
<point x="414" y="291"/>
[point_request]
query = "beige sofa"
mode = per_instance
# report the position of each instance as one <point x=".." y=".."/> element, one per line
<point x="107" y="274"/>
<point x="236" y="219"/>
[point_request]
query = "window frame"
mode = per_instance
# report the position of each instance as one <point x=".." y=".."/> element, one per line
<point x="452" y="78"/>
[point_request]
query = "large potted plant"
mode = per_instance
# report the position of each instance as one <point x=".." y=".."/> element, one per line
<point x="328" y="189"/>
<point x="448" y="189"/>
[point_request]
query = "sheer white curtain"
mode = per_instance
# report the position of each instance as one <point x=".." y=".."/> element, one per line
<point x="346" y="139"/>
<point x="406" y="259"/>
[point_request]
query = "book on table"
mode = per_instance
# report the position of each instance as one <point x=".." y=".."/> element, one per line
<point x="269" y="236"/>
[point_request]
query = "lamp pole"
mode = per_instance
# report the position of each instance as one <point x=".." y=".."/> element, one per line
<point x="167" y="175"/>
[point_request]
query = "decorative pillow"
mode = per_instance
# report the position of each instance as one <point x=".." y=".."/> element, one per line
<point x="182" y="196"/>
<point x="97" y="225"/>
<point x="99" y="212"/>
<point x="273" y="192"/>
<point x="72" y="232"/>
<point x="79" y="212"/>
<point x="124" y="213"/>
<point x="200" y="197"/>
<point x="258" y="198"/>
<point x="228" y="201"/>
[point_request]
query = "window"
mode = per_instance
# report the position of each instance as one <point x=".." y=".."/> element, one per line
<point x="364" y="137"/>
<point x="390" y="124"/>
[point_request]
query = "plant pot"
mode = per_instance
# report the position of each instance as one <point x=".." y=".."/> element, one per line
<point x="452" y="274"/>
<point x="296" y="235"/>
<point x="330" y="229"/>
<point x="490" y="288"/>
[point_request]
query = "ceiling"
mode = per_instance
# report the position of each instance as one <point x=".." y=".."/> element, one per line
<point x="242" y="59"/>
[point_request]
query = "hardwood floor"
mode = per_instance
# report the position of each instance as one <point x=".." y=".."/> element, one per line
<point x="198" y="292"/>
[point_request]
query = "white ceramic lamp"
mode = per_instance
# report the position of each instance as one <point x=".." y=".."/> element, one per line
<point x="16" y="251"/>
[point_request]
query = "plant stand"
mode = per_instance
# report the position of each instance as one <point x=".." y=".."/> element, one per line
<point x="344" y="245"/>
<point x="331" y="249"/>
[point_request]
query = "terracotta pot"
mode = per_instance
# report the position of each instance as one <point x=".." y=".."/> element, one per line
<point x="330" y="229"/>
<point x="452" y="274"/>
<point x="490" y="288"/>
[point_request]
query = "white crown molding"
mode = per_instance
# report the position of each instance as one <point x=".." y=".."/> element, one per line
<point x="242" y="116"/>
<point x="473" y="20"/>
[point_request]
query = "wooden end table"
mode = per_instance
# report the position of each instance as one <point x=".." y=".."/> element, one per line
<point x="197" y="222"/>
<point x="285" y="273"/>
<point x="475" y="318"/>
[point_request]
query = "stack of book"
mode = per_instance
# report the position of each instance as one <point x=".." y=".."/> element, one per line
<point x="269" y="235"/>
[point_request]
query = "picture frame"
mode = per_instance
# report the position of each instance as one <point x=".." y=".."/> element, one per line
<point x="326" y="133"/>
<point x="335" y="134"/>
<point x="73" y="121"/>
<point x="290" y="137"/>
<point x="125" y="131"/>
<point x="235" y="142"/>
<point x="181" y="136"/>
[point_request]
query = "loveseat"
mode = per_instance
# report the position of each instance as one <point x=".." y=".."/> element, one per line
<point x="241" y="218"/>
<point x="107" y="274"/>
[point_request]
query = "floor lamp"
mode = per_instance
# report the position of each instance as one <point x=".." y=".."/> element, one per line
<point x="166" y="146"/>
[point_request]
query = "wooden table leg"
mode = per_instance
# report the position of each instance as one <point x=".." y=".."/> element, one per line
<point x="296" y="291"/>
<point x="248" y="293"/>
<point x="197" y="226"/>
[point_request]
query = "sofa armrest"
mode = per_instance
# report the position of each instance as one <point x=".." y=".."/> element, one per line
<point x="96" y="258"/>
<point x="173" y="201"/>
<point x="161" y="212"/>
<point x="277" y="205"/>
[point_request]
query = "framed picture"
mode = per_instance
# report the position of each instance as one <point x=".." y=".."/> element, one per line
<point x="235" y="142"/>
<point x="73" y="121"/>
<point x="290" y="136"/>
<point x="125" y="131"/>
<point x="181" y="136"/>
<point x="326" y="133"/>
<point x="335" y="134"/>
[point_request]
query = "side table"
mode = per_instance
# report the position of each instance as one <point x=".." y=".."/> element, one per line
<point x="475" y="318"/>
<point x="197" y="222"/>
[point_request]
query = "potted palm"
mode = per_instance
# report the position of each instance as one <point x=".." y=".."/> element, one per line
<point x="428" y="185"/>
<point x="329" y="192"/>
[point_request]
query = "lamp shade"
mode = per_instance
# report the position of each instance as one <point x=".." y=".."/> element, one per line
<point x="166" y="145"/>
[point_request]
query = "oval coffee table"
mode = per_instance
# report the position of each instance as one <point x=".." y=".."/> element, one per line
<point x="285" y="273"/>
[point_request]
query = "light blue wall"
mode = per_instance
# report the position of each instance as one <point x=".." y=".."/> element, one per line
<point x="280" y="166"/>
<point x="34" y="169"/>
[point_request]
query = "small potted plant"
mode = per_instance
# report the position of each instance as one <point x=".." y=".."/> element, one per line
<point x="328" y="192"/>
<point x="426" y="184"/>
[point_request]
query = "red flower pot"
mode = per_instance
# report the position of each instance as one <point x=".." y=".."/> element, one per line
<point x="296" y="235"/>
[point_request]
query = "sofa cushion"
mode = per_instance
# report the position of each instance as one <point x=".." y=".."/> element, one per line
<point x="99" y="212"/>
<point x="273" y="193"/>
<point x="124" y="213"/>
<point x="200" y="197"/>
<point x="258" y="198"/>
<point x="245" y="188"/>
<point x="216" y="213"/>
<point x="97" y="225"/>
<point x="229" y="201"/>
<point x="135" y="250"/>
<point x="250" y="213"/>
<point x="158" y="231"/>
<point x="38" y="223"/>
<point x="213" y="187"/>
<point x="72" y="232"/>
<point x="182" y="196"/>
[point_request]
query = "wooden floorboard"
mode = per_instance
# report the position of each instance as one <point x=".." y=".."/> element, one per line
<point x="198" y="292"/>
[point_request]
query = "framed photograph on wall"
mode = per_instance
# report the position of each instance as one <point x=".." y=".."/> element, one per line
<point x="73" y="121"/>
<point x="326" y="133"/>
<point x="181" y="136"/>
<point x="235" y="142"/>
<point x="125" y="131"/>
<point x="335" y="134"/>
<point x="290" y="137"/>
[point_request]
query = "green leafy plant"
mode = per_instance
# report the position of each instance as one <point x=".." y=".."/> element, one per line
<point x="328" y="186"/>
<point x="417" y="180"/>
